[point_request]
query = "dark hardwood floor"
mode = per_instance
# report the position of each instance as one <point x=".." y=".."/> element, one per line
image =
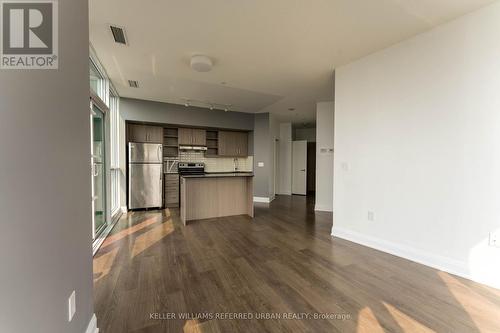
<point x="151" y="270"/>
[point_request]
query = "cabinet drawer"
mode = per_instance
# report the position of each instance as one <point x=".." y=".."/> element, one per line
<point x="170" y="199"/>
<point x="172" y="178"/>
<point x="171" y="196"/>
<point x="171" y="184"/>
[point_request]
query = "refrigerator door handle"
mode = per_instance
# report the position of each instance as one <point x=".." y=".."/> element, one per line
<point x="158" y="153"/>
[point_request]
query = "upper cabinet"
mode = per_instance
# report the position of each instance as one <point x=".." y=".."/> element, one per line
<point x="145" y="133"/>
<point x="192" y="137"/>
<point x="233" y="143"/>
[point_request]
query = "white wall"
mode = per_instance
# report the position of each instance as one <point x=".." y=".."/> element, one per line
<point x="285" y="159"/>
<point x="45" y="187"/>
<point x="324" y="156"/>
<point x="417" y="142"/>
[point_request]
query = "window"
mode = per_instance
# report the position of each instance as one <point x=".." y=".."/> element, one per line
<point x="97" y="82"/>
<point x="114" y="121"/>
<point x="103" y="88"/>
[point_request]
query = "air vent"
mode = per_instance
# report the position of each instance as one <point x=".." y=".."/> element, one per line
<point x="133" y="84"/>
<point x="118" y="35"/>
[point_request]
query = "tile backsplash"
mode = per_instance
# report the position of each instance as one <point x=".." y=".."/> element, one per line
<point x="218" y="164"/>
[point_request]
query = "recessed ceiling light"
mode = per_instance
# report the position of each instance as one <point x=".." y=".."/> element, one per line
<point x="201" y="63"/>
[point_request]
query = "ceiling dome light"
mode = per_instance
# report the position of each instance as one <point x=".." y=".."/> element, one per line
<point x="201" y="63"/>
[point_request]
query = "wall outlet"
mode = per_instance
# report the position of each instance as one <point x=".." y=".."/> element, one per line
<point x="494" y="239"/>
<point x="71" y="305"/>
<point x="260" y="164"/>
<point x="371" y="216"/>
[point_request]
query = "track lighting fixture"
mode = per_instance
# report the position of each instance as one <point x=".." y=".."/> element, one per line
<point x="208" y="105"/>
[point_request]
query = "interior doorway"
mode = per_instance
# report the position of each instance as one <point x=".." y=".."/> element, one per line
<point x="311" y="168"/>
<point x="299" y="167"/>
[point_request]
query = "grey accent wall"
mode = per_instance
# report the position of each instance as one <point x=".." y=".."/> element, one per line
<point x="45" y="193"/>
<point x="262" y="153"/>
<point x="157" y="112"/>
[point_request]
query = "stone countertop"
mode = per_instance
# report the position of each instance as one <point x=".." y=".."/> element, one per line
<point x="220" y="175"/>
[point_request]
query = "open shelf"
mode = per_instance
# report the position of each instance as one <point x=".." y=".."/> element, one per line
<point x="212" y="135"/>
<point x="169" y="151"/>
<point x="211" y="143"/>
<point x="211" y="152"/>
<point x="170" y="142"/>
<point x="170" y="132"/>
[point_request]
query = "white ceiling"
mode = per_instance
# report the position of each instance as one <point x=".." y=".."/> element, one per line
<point x="272" y="54"/>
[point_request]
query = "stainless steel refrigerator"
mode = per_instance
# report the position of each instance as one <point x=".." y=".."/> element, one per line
<point x="145" y="178"/>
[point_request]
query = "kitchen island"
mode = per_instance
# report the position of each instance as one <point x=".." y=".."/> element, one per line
<point x="214" y="195"/>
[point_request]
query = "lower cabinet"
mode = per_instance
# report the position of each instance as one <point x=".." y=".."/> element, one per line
<point x="171" y="190"/>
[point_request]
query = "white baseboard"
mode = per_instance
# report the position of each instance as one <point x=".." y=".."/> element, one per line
<point x="321" y="208"/>
<point x="272" y="198"/>
<point x="261" y="199"/>
<point x="92" y="327"/>
<point x="124" y="209"/>
<point x="422" y="257"/>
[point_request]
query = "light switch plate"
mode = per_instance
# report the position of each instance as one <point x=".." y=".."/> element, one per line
<point x="71" y="305"/>
<point x="260" y="164"/>
<point x="494" y="239"/>
<point x="371" y="216"/>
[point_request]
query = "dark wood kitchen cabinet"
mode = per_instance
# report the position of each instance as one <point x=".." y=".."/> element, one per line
<point x="145" y="133"/>
<point x="232" y="143"/>
<point x="199" y="137"/>
<point x="192" y="137"/>
<point x="171" y="190"/>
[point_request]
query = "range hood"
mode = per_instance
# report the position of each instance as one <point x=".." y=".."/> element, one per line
<point x="195" y="148"/>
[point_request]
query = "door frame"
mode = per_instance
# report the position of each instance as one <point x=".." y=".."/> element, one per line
<point x="98" y="102"/>
<point x="293" y="166"/>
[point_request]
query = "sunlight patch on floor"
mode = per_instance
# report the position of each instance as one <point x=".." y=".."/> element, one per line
<point x="194" y="326"/>
<point x="127" y="232"/>
<point x="367" y="322"/>
<point x="103" y="264"/>
<point x="151" y="237"/>
<point x="482" y="311"/>
<point x="407" y="323"/>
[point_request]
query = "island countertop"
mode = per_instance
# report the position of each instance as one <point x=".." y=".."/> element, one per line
<point x="220" y="174"/>
<point x="214" y="195"/>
